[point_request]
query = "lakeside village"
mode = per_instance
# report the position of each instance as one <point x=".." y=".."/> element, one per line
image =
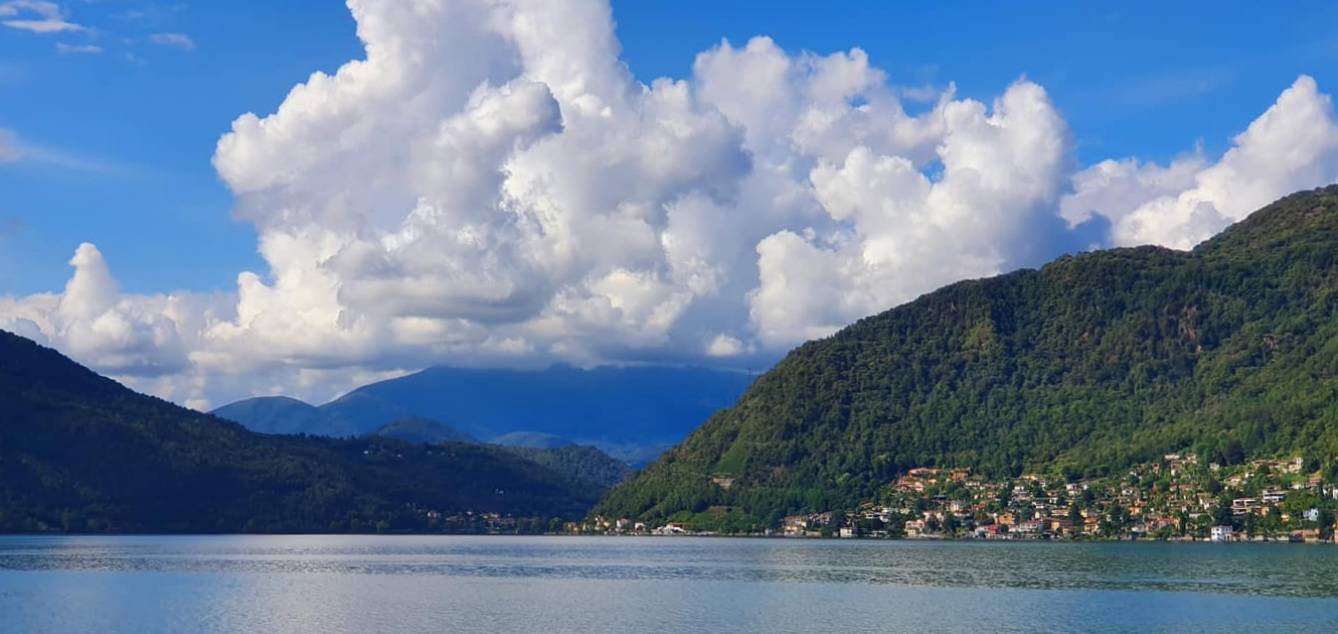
<point x="1175" y="498"/>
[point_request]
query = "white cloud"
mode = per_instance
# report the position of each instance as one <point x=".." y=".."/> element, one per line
<point x="1292" y="146"/>
<point x="36" y="16"/>
<point x="92" y="321"/>
<point x="15" y="150"/>
<point x="725" y="346"/>
<point x="491" y="186"/>
<point x="177" y="40"/>
<point x="77" y="49"/>
<point x="898" y="233"/>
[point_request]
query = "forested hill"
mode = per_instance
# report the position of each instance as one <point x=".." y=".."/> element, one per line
<point x="579" y="463"/>
<point x="79" y="452"/>
<point x="1088" y="365"/>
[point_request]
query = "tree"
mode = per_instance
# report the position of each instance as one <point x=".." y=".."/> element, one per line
<point x="1271" y="525"/>
<point x="1309" y="464"/>
<point x="1325" y="523"/>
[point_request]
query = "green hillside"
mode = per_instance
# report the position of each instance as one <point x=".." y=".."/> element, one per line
<point x="419" y="430"/>
<point x="579" y="463"/>
<point x="1086" y="366"/>
<point x="79" y="452"/>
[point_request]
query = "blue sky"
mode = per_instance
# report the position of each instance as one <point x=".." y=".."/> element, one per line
<point x="134" y="126"/>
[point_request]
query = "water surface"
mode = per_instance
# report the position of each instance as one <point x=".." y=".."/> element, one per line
<point x="568" y="584"/>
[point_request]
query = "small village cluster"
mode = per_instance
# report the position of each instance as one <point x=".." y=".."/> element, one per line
<point x="1174" y="498"/>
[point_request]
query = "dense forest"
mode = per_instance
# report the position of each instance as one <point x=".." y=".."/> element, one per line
<point x="419" y="430"/>
<point x="79" y="452"/>
<point x="579" y="463"/>
<point x="1088" y="365"/>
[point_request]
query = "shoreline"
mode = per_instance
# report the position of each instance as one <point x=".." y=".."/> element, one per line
<point x="922" y="540"/>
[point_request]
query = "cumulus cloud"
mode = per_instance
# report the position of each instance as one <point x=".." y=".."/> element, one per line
<point x="92" y="321"/>
<point x="490" y="185"/>
<point x="1292" y="146"/>
<point x="899" y="233"/>
<point x="36" y="16"/>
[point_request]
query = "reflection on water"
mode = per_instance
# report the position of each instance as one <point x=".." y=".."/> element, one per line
<point x="327" y="583"/>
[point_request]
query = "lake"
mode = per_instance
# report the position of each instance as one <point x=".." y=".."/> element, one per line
<point x="370" y="584"/>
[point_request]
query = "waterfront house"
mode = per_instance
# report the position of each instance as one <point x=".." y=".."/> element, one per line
<point x="1031" y="528"/>
<point x="795" y="525"/>
<point x="1307" y="535"/>
<point x="672" y="528"/>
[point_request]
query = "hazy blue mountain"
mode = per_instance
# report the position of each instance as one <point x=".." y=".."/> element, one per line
<point x="631" y="413"/>
<point x="636" y="454"/>
<point x="283" y="415"/>
<point x="532" y="440"/>
<point x="419" y="430"/>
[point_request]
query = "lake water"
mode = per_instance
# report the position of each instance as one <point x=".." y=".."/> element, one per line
<point x="368" y="584"/>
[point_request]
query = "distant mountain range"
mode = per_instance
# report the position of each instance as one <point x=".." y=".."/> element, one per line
<point x="533" y="440"/>
<point x="1084" y="367"/>
<point x="632" y="413"/>
<point x="79" y="452"/>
